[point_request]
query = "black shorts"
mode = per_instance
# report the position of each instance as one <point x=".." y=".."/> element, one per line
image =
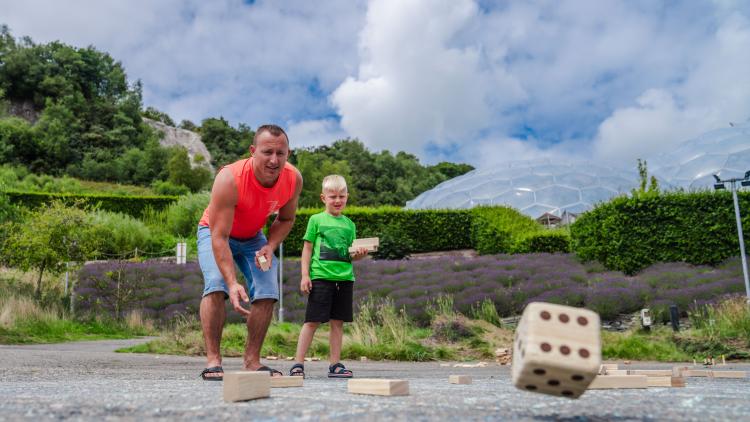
<point x="330" y="300"/>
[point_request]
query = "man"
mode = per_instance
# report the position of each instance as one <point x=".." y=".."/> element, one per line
<point x="244" y="194"/>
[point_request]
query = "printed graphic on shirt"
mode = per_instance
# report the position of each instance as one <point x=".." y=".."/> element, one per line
<point x="334" y="244"/>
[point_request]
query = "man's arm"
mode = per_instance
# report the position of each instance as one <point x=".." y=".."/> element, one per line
<point x="221" y="212"/>
<point x="283" y="223"/>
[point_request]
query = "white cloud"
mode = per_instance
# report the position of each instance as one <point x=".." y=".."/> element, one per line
<point x="714" y="92"/>
<point x="414" y="85"/>
<point x="314" y="132"/>
<point x="613" y="78"/>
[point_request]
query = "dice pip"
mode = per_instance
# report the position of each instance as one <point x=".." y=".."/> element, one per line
<point x="556" y="349"/>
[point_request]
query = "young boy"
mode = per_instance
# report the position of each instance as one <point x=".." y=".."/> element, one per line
<point x="328" y="275"/>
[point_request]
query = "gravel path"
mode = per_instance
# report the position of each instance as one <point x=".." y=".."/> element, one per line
<point x="88" y="381"/>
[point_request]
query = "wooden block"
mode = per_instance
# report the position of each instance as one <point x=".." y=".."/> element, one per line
<point x="286" y="381"/>
<point x="679" y="371"/>
<point x="603" y="382"/>
<point x="651" y="372"/>
<point x="369" y="243"/>
<point x="659" y="381"/>
<point x="264" y="264"/>
<point x="605" y="367"/>
<point x="246" y="385"/>
<point x="378" y="387"/>
<point x="459" y="379"/>
<point x="728" y="374"/>
<point x="678" y="381"/>
<point x="556" y="349"/>
<point x="616" y="372"/>
<point x="696" y="373"/>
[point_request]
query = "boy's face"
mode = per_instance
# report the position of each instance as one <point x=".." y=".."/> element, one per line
<point x="335" y="201"/>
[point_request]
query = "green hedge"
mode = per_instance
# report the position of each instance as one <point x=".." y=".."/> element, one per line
<point x="131" y="205"/>
<point x="631" y="233"/>
<point x="498" y="229"/>
<point x="549" y="241"/>
<point x="428" y="230"/>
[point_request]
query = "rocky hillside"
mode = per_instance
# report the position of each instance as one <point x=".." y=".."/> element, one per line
<point x="185" y="138"/>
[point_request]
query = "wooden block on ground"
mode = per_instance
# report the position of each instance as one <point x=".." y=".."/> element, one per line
<point x="659" y="381"/>
<point x="678" y="382"/>
<point x="378" y="387"/>
<point x="616" y="372"/>
<point x="651" y="372"/>
<point x="369" y="243"/>
<point x="459" y="379"/>
<point x="728" y="374"/>
<point x="607" y="367"/>
<point x="696" y="373"/>
<point x="602" y="382"/>
<point x="246" y="385"/>
<point x="286" y="381"/>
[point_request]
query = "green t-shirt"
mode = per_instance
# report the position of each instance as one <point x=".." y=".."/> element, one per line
<point x="331" y="238"/>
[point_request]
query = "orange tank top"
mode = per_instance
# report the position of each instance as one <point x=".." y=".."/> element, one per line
<point x="256" y="202"/>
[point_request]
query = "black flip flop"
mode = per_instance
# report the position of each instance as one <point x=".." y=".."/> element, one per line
<point x="213" y="370"/>
<point x="271" y="371"/>
<point x="338" y="370"/>
<point x="300" y="373"/>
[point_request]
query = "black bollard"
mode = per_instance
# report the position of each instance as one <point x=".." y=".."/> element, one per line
<point x="674" y="316"/>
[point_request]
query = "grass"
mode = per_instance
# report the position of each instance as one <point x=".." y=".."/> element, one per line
<point x="24" y="320"/>
<point x="380" y="331"/>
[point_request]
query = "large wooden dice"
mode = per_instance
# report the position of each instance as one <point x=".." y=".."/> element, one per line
<point x="556" y="350"/>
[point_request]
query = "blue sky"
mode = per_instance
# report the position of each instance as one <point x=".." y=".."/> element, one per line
<point x="459" y="80"/>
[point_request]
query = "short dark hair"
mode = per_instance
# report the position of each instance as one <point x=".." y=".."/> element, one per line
<point x="273" y="130"/>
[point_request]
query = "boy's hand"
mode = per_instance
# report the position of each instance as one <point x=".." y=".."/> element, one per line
<point x="305" y="285"/>
<point x="359" y="253"/>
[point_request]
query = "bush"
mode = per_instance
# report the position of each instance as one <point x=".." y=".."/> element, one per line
<point x="393" y="245"/>
<point x="549" y="241"/>
<point x="118" y="235"/>
<point x="497" y="229"/>
<point x="131" y="205"/>
<point x="168" y="188"/>
<point x="183" y="216"/>
<point x="629" y="234"/>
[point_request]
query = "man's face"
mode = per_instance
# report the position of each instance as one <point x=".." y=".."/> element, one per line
<point x="269" y="156"/>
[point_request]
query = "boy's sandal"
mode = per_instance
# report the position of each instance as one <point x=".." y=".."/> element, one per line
<point x="297" y="370"/>
<point x="213" y="370"/>
<point x="338" y="370"/>
<point x="271" y="371"/>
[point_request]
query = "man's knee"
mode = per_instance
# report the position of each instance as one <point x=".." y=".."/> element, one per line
<point x="215" y="298"/>
<point x="264" y="305"/>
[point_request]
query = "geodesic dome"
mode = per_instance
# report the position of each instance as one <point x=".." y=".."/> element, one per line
<point x="532" y="188"/>
<point x="725" y="152"/>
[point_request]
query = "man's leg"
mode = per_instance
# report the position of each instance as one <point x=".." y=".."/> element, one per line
<point x="305" y="338"/>
<point x="213" y="315"/>
<point x="257" y="325"/>
<point x="335" y="340"/>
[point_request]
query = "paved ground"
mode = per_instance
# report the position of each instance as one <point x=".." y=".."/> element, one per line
<point x="87" y="381"/>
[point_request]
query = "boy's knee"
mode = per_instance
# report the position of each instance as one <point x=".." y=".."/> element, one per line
<point x="312" y="325"/>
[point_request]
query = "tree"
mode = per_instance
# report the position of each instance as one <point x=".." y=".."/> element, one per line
<point x="160" y="116"/>
<point x="646" y="184"/>
<point x="50" y="237"/>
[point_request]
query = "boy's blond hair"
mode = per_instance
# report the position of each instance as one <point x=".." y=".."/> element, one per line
<point x="334" y="183"/>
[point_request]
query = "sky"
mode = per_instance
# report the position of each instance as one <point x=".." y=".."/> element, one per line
<point x="480" y="82"/>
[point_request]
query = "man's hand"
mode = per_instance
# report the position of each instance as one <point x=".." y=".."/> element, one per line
<point x="305" y="285"/>
<point x="267" y="252"/>
<point x="237" y="295"/>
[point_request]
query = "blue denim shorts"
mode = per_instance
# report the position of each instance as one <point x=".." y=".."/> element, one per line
<point x="260" y="284"/>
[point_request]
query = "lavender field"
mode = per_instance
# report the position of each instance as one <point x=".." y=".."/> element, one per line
<point x="510" y="281"/>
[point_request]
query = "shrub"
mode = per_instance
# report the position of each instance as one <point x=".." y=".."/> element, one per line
<point x="183" y="216"/>
<point x="131" y="205"/>
<point x="549" y="241"/>
<point x="629" y="234"/>
<point x="497" y="229"/>
<point x="393" y="246"/>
